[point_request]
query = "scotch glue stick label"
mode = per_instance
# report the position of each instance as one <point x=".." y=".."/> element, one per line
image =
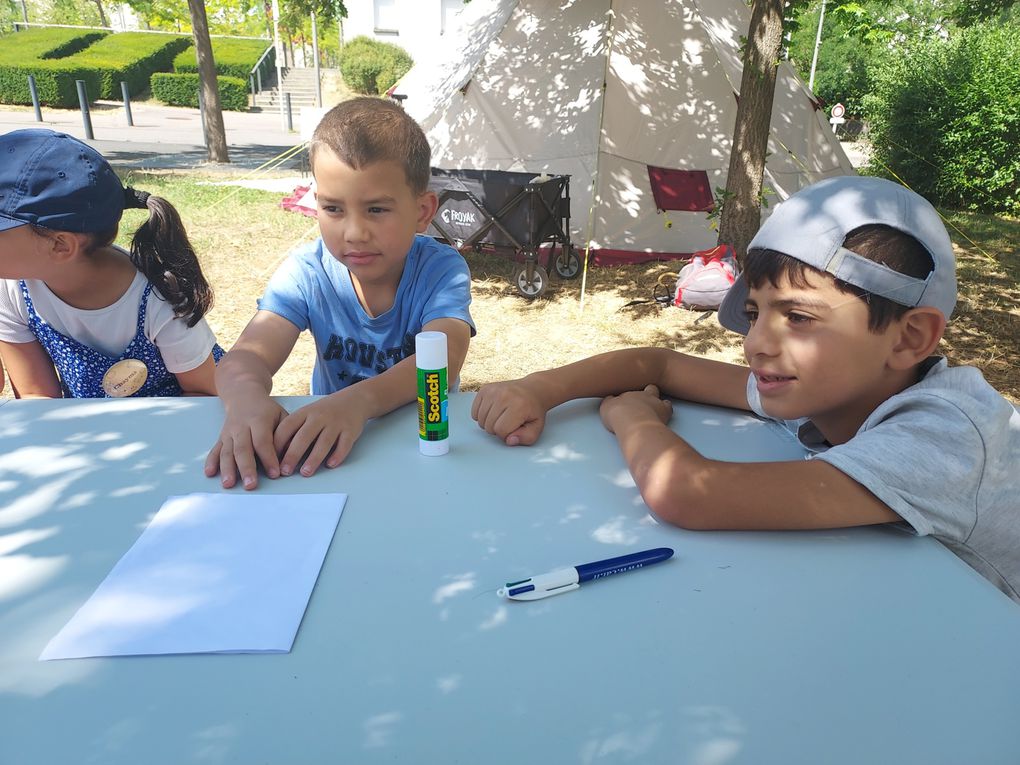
<point x="433" y="421"/>
<point x="433" y="418"/>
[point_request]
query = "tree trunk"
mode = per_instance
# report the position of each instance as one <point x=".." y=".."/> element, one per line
<point x="741" y="208"/>
<point x="102" y="13"/>
<point x="212" y="111"/>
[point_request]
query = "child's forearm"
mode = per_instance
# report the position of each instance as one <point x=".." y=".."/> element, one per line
<point x="242" y="374"/>
<point x="606" y="374"/>
<point x="385" y="392"/>
<point x="664" y="467"/>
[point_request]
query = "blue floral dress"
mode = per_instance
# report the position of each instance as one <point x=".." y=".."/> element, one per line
<point x="81" y="367"/>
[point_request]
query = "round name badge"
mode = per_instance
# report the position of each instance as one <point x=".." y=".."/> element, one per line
<point x="125" y="378"/>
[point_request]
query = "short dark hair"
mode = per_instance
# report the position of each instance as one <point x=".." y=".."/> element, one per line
<point x="882" y="244"/>
<point x="366" y="130"/>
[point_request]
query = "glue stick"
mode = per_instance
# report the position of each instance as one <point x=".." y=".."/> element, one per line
<point x="433" y="418"/>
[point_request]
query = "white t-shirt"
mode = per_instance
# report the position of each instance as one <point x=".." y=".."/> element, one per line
<point x="110" y="329"/>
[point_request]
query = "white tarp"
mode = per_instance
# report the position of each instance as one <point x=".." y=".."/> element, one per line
<point x="518" y="86"/>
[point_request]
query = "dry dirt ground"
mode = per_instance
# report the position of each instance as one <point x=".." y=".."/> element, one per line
<point x="243" y="234"/>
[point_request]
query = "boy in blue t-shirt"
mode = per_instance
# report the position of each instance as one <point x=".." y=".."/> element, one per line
<point x="843" y="300"/>
<point x="364" y="289"/>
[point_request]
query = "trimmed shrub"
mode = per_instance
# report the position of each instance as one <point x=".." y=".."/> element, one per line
<point x="234" y="57"/>
<point x="37" y="52"/>
<point x="945" y="117"/>
<point x="131" y="57"/>
<point x="181" y="89"/>
<point x="371" y="67"/>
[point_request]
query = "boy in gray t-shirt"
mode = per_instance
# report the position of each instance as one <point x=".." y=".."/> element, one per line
<point x="843" y="300"/>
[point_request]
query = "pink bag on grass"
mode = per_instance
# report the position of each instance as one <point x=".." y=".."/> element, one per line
<point x="703" y="282"/>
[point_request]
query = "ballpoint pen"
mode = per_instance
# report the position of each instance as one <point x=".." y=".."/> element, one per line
<point x="567" y="579"/>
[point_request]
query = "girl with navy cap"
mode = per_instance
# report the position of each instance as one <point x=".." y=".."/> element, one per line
<point x="80" y="317"/>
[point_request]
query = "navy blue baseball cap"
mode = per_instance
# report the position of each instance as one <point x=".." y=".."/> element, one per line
<point x="55" y="181"/>
<point x="812" y="224"/>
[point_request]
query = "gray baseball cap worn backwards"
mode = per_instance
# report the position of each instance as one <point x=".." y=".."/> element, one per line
<point x="812" y="224"/>
<point x="55" y="181"/>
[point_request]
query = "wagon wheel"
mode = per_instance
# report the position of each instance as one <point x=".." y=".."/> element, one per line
<point x="531" y="285"/>
<point x="567" y="264"/>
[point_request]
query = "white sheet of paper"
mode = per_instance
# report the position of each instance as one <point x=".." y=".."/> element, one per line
<point x="211" y="573"/>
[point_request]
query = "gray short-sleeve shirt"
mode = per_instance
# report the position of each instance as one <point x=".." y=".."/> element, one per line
<point x="945" y="456"/>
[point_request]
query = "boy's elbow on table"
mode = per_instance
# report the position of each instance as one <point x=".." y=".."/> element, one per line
<point x="685" y="512"/>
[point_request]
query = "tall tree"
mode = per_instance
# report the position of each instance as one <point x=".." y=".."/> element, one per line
<point x="741" y="209"/>
<point x="102" y="13"/>
<point x="212" y="111"/>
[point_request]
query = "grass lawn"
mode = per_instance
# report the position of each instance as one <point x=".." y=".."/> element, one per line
<point x="241" y="236"/>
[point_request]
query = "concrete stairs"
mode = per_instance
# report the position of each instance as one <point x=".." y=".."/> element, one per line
<point x="297" y="81"/>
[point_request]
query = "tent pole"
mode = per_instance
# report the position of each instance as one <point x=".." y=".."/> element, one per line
<point x="610" y="27"/>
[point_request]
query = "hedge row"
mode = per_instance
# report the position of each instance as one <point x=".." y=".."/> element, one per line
<point x="44" y="43"/>
<point x="234" y="57"/>
<point x="372" y="67"/>
<point x="130" y="57"/>
<point x="182" y="90"/>
<point x="37" y="52"/>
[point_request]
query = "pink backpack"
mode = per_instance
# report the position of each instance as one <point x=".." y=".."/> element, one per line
<point x="703" y="282"/>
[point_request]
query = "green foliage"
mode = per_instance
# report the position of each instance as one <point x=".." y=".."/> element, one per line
<point x="372" y="67"/>
<point x="234" y="57"/>
<point x="20" y="47"/>
<point x="970" y="12"/>
<point x="945" y="118"/>
<point x="130" y="57"/>
<point x="843" y="71"/>
<point x="39" y="52"/>
<point x="182" y="90"/>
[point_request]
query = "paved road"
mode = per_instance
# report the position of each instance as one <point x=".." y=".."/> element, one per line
<point x="169" y="137"/>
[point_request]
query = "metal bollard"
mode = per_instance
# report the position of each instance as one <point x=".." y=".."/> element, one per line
<point x="86" y="116"/>
<point x="35" y="98"/>
<point x="251" y="81"/>
<point x="290" y="116"/>
<point x="127" y="102"/>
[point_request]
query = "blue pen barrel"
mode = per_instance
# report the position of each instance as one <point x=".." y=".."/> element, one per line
<point x="588" y="571"/>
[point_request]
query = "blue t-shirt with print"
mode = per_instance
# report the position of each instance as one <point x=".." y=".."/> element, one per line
<point x="313" y="291"/>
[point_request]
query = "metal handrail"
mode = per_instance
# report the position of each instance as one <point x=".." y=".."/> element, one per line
<point x="257" y="68"/>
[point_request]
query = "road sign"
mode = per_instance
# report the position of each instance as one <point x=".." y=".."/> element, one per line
<point x="838" y="110"/>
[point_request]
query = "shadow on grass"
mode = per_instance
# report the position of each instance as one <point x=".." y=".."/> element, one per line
<point x="985" y="328"/>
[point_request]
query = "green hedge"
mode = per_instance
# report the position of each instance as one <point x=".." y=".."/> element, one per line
<point x="945" y="117"/>
<point x="182" y="90"/>
<point x="234" y="57"/>
<point x="372" y="67"/>
<point x="131" y="57"/>
<point x="38" y="52"/>
<point x="45" y="43"/>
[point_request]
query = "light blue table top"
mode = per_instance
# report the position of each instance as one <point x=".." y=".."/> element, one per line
<point x="838" y="647"/>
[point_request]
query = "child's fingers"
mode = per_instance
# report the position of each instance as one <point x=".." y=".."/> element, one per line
<point x="299" y="442"/>
<point x="286" y="430"/>
<point x="509" y="421"/>
<point x="525" y="435"/>
<point x="238" y="459"/>
<point x="265" y="450"/>
<point x="480" y="402"/>
<point x="323" y="443"/>
<point x="228" y="467"/>
<point x="344" y="444"/>
<point x="212" y="460"/>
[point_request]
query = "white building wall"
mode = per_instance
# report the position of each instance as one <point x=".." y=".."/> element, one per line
<point x="414" y="25"/>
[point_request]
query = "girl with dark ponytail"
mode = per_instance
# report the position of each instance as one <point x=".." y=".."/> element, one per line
<point x="80" y="317"/>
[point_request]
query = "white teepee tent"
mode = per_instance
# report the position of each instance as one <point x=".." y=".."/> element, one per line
<point x="518" y="85"/>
